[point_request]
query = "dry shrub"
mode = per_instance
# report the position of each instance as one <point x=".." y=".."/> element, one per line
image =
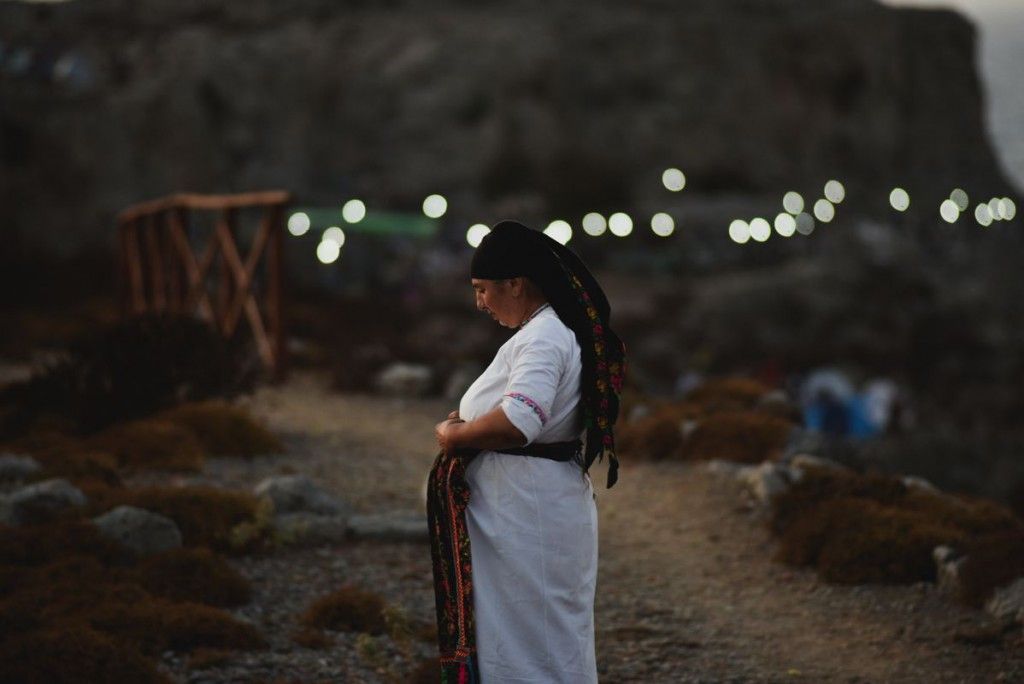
<point x="853" y="541"/>
<point x="871" y="528"/>
<point x="151" y="443"/>
<point x="193" y="575"/>
<point x="41" y="544"/>
<point x="68" y="654"/>
<point x="428" y="671"/>
<point x="205" y="515"/>
<point x="824" y="484"/>
<point x="652" y="437"/>
<point x="727" y="394"/>
<point x="742" y="436"/>
<point x="348" y="609"/>
<point x="993" y="560"/>
<point x="203" y="658"/>
<point x="223" y="429"/>
<point x="63" y="456"/>
<point x="157" y="625"/>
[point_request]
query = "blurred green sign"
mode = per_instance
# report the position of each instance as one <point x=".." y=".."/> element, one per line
<point x="375" y="222"/>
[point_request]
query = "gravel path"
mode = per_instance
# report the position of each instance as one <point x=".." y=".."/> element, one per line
<point x="686" y="591"/>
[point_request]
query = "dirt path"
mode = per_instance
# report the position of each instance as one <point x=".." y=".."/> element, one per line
<point x="687" y="589"/>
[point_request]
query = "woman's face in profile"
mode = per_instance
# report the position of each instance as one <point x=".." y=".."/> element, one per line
<point x="495" y="298"/>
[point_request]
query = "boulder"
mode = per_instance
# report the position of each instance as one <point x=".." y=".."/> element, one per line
<point x="298" y="493"/>
<point x="142" y="531"/>
<point x="1007" y="603"/>
<point x="766" y="481"/>
<point x="918" y="483"/>
<point x="404" y="526"/>
<point x="404" y="380"/>
<point x="18" y="468"/>
<point x="40" y="501"/>
<point x="720" y="466"/>
<point x="948" y="562"/>
<point x="303" y="528"/>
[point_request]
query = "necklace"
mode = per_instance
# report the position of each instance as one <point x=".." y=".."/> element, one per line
<point x="536" y="311"/>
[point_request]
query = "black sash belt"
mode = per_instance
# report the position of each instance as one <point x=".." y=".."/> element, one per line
<point x="556" y="451"/>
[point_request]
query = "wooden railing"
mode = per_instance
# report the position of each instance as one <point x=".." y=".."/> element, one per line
<point x="161" y="272"/>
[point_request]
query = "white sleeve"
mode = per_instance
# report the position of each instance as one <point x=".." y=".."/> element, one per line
<point x="536" y="369"/>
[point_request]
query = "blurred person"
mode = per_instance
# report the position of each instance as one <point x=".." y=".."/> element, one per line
<point x="511" y="507"/>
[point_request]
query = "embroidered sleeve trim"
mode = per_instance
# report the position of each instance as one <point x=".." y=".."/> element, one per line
<point x="531" y="403"/>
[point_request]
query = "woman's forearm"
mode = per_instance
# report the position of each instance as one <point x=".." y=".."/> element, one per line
<point x="493" y="430"/>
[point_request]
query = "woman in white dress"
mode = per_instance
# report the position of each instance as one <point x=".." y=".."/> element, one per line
<point x="511" y="506"/>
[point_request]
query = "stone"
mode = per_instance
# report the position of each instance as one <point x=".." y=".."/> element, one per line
<point x="15" y="467"/>
<point x="298" y="493"/>
<point x="720" y="466"/>
<point x="918" y="483"/>
<point x="766" y="481"/>
<point x="801" y="462"/>
<point x="404" y="526"/>
<point x="142" y="531"/>
<point x="404" y="380"/>
<point x="948" y="563"/>
<point x="1007" y="602"/>
<point x="304" y="528"/>
<point x="40" y="501"/>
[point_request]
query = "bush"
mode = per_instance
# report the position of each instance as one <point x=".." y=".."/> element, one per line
<point x="224" y="430"/>
<point x="125" y="371"/>
<point x="193" y="575"/>
<point x="348" y="609"/>
<point x="742" y="436"/>
<point x="854" y="541"/>
<point x="871" y="528"/>
<point x="68" y="654"/>
<point x="205" y="515"/>
<point x="993" y="560"/>
<point x="42" y="544"/>
<point x="653" y="437"/>
<point x="727" y="394"/>
<point x="150" y="443"/>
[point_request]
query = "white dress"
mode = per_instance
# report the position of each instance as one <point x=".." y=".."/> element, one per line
<point x="532" y="521"/>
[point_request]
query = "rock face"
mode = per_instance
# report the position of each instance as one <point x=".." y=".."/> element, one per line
<point x="39" y="502"/>
<point x="17" y="468"/>
<point x="510" y="108"/>
<point x="140" y="530"/>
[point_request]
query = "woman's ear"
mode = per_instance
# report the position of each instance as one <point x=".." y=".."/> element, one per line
<point x="517" y="286"/>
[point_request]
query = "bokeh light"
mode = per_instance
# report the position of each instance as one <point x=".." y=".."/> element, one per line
<point x="662" y="224"/>
<point x="594" y="224"/>
<point x="739" y="231"/>
<point x="982" y="215"/>
<point x="899" y="199"/>
<point x="804" y="223"/>
<point x="785" y="225"/>
<point x="559" y="230"/>
<point x="793" y="202"/>
<point x="353" y="211"/>
<point x="835" y="192"/>
<point x="949" y="211"/>
<point x="476" y="233"/>
<point x="335" y="234"/>
<point x="994" y="209"/>
<point x="824" y="211"/>
<point x="434" y="206"/>
<point x="960" y="198"/>
<point x="620" y="224"/>
<point x="1007" y="208"/>
<point x="673" y="179"/>
<point x="760" y="229"/>
<point x="327" y="251"/>
<point x="298" y="223"/>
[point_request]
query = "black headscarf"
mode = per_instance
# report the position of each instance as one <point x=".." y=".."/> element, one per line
<point x="512" y="250"/>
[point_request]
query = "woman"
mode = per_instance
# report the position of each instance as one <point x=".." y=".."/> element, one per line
<point x="511" y="507"/>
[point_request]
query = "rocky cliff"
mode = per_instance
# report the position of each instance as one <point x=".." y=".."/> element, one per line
<point x="508" y="108"/>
